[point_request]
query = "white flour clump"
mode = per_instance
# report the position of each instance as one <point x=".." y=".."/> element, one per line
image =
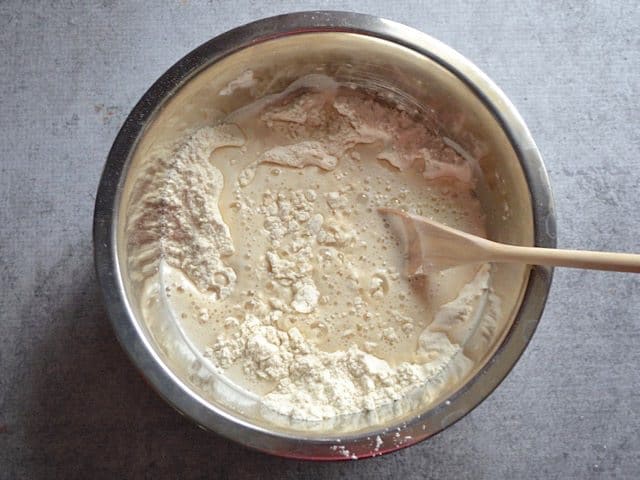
<point x="245" y="80"/>
<point x="311" y="384"/>
<point x="174" y="214"/>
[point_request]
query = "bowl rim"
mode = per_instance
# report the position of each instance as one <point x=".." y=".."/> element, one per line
<point x="178" y="394"/>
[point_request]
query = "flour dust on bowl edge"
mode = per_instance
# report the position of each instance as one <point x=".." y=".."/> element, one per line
<point x="419" y="76"/>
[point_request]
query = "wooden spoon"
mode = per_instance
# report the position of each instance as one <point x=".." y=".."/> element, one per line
<point x="432" y="245"/>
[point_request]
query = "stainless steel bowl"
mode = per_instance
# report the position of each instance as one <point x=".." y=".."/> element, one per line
<point x="464" y="105"/>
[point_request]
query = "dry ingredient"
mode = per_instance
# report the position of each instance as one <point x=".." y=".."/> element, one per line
<point x="278" y="266"/>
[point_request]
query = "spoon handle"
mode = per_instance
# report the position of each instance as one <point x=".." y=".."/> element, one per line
<point x="618" y="262"/>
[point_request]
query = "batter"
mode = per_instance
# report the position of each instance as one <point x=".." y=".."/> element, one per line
<point x="262" y="237"/>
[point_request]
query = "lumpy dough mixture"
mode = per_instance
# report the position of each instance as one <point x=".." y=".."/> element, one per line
<point x="261" y="235"/>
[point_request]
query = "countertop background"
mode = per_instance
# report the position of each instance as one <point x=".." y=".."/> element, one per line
<point x="72" y="405"/>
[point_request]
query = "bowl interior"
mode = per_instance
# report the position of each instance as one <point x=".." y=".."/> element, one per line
<point x="452" y="108"/>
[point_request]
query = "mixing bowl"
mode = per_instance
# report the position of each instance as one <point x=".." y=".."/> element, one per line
<point x="422" y="75"/>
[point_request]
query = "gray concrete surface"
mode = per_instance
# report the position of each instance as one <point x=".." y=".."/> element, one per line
<point x="72" y="406"/>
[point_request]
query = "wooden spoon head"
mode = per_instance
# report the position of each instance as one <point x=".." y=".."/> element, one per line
<point x="432" y="246"/>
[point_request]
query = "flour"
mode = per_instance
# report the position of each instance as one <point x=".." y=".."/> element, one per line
<point x="312" y="385"/>
<point x="297" y="292"/>
<point x="174" y="214"/>
<point x="245" y="80"/>
<point x="306" y="298"/>
<point x="300" y="155"/>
